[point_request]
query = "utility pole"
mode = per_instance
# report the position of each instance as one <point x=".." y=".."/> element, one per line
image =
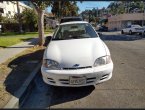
<point x="143" y="14"/>
<point x="19" y="17"/>
<point x="59" y="10"/>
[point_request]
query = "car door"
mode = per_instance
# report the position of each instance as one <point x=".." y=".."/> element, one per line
<point x="125" y="29"/>
<point x="128" y="29"/>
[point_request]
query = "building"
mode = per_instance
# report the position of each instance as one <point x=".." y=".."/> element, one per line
<point x="9" y="8"/>
<point x="121" y="21"/>
<point x="50" y="20"/>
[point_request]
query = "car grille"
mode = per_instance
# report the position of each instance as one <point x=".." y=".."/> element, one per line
<point x="104" y="76"/>
<point x="88" y="80"/>
<point x="77" y="68"/>
<point x="51" y="80"/>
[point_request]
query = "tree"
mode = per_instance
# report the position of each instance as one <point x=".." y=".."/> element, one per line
<point x="7" y="19"/>
<point x="120" y="7"/>
<point x="68" y="8"/>
<point x="19" y="18"/>
<point x="29" y="17"/>
<point x="1" y="18"/>
<point x="40" y="6"/>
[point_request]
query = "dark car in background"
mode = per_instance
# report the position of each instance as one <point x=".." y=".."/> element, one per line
<point x="103" y="28"/>
<point x="69" y="19"/>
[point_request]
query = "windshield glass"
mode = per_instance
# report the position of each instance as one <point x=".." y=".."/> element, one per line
<point x="75" y="31"/>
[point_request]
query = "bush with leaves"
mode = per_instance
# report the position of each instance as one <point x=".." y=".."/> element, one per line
<point x="28" y="17"/>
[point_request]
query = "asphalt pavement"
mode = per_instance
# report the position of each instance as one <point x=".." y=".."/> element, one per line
<point x="126" y="88"/>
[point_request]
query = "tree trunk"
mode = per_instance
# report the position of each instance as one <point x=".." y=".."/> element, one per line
<point x="41" y="26"/>
<point x="19" y="18"/>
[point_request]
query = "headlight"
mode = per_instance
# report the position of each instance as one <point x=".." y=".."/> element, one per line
<point x="102" y="61"/>
<point x="51" y="64"/>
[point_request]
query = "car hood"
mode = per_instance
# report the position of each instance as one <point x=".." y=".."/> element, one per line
<point x="82" y="52"/>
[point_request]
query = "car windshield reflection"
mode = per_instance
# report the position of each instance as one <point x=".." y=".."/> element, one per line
<point x="75" y="31"/>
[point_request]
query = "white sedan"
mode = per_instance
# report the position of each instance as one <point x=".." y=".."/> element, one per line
<point x="76" y="56"/>
<point x="133" y="29"/>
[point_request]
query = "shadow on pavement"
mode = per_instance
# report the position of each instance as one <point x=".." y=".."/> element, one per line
<point x="45" y="96"/>
<point x="119" y="37"/>
<point x="21" y="68"/>
<point x="66" y="94"/>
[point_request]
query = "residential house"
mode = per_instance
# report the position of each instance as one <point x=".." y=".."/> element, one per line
<point x="119" y="22"/>
<point x="9" y="8"/>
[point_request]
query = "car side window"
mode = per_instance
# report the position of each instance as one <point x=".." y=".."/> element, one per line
<point x="128" y="26"/>
<point x="90" y="31"/>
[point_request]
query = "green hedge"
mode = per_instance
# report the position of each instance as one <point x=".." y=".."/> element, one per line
<point x="14" y="27"/>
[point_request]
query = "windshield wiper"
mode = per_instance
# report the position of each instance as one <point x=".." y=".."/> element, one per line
<point x="56" y="39"/>
<point x="79" y="37"/>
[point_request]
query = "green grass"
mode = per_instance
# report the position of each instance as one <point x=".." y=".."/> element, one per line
<point x="9" y="38"/>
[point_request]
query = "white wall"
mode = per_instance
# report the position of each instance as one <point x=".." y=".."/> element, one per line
<point x="10" y="8"/>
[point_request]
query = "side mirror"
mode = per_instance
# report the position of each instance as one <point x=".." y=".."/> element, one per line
<point x="99" y="33"/>
<point x="56" y="25"/>
<point x="47" y="40"/>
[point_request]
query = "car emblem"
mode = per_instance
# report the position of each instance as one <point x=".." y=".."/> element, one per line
<point x="76" y="65"/>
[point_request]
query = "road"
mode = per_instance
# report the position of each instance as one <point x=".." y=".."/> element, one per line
<point x="126" y="88"/>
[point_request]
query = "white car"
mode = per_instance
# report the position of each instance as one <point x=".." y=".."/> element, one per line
<point x="76" y="56"/>
<point x="133" y="29"/>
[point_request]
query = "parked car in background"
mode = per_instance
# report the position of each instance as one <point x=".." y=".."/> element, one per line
<point x="131" y="29"/>
<point x="76" y="56"/>
<point x="144" y="28"/>
<point x="69" y="19"/>
<point x="98" y="27"/>
<point x="103" y="29"/>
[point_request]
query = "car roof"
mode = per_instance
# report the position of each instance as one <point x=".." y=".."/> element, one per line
<point x="73" y="22"/>
<point x="69" y="19"/>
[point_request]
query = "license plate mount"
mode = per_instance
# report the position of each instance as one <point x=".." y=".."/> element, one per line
<point x="76" y="80"/>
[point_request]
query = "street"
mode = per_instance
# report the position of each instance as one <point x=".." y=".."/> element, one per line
<point x="125" y="89"/>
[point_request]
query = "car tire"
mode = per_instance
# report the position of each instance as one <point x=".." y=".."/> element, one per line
<point x="122" y="32"/>
<point x="130" y="32"/>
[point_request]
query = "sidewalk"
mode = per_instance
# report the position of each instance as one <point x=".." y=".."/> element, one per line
<point x="11" y="51"/>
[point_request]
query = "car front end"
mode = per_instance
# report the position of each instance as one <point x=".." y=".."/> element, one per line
<point x="76" y="77"/>
<point x="76" y="62"/>
<point x="138" y="30"/>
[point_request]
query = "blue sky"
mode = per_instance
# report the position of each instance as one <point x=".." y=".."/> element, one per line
<point x="90" y="4"/>
<point x="85" y="4"/>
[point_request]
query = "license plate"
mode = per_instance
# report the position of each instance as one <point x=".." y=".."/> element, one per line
<point x="74" y="80"/>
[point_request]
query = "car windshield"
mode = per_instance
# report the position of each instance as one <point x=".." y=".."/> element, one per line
<point x="75" y="31"/>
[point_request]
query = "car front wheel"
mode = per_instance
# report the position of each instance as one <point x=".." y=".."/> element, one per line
<point x="130" y="32"/>
<point x="122" y="32"/>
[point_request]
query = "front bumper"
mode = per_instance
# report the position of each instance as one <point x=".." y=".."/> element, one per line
<point x="93" y="75"/>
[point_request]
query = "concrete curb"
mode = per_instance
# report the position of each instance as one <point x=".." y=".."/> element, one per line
<point x="17" y="100"/>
